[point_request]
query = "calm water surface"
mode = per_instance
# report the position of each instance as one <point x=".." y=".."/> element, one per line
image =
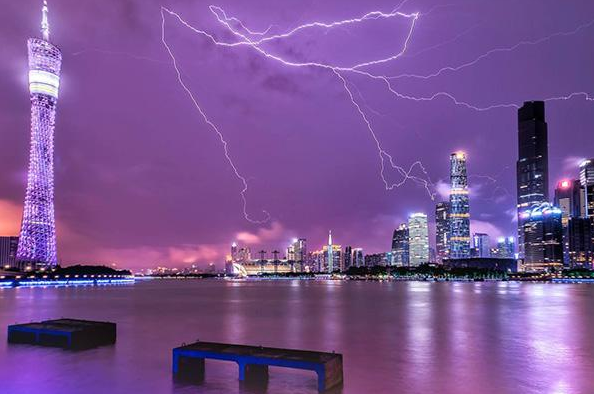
<point x="407" y="337"/>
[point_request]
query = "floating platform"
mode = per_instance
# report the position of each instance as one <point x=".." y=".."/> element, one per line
<point x="253" y="361"/>
<point x="65" y="333"/>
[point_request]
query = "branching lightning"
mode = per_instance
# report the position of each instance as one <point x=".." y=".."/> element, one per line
<point x="255" y="40"/>
<point x="215" y="129"/>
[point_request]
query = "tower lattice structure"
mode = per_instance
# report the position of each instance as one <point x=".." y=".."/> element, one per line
<point x="37" y="242"/>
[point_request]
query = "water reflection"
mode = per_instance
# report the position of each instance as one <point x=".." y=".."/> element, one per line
<point x="405" y="337"/>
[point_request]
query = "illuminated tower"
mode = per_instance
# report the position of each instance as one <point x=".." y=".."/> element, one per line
<point x="418" y="240"/>
<point x="459" y="208"/>
<point x="37" y="243"/>
<point x="442" y="230"/>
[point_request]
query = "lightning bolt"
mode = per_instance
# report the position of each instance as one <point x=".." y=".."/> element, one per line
<point x="207" y="120"/>
<point x="494" y="51"/>
<point x="255" y="40"/>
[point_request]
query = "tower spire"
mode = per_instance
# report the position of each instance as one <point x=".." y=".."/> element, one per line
<point x="44" y="22"/>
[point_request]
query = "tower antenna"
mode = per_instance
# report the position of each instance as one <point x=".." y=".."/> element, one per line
<point x="44" y="22"/>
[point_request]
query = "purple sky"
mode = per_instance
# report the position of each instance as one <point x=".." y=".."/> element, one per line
<point x="141" y="179"/>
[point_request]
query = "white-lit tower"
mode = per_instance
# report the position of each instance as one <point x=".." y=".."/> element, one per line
<point x="37" y="242"/>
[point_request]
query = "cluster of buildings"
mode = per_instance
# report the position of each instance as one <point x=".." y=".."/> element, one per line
<point x="552" y="234"/>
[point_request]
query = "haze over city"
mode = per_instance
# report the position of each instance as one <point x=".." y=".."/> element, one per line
<point x="141" y="178"/>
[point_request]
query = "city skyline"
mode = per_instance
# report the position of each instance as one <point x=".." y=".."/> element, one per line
<point x="122" y="175"/>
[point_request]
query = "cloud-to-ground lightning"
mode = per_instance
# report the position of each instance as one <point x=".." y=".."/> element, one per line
<point x="216" y="130"/>
<point x="255" y="40"/>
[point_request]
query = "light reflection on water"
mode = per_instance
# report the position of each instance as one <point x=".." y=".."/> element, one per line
<point x="404" y="337"/>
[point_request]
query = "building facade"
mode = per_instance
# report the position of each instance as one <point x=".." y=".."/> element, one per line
<point x="580" y="239"/>
<point x="587" y="184"/>
<point x="8" y="251"/>
<point x="418" y="236"/>
<point x="481" y="244"/>
<point x="442" y="230"/>
<point x="297" y="254"/>
<point x="400" y="246"/>
<point x="348" y="257"/>
<point x="505" y="248"/>
<point x="358" y="257"/>
<point x="568" y="198"/>
<point x="532" y="168"/>
<point x="542" y="232"/>
<point x="459" y="217"/>
<point x="37" y="241"/>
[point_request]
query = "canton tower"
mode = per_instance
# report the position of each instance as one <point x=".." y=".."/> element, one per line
<point x="37" y="242"/>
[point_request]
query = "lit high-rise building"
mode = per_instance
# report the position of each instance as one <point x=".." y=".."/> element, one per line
<point x="580" y="239"/>
<point x="587" y="183"/>
<point x="481" y="244"/>
<point x="400" y="246"/>
<point x="459" y="208"/>
<point x="358" y="257"/>
<point x="297" y="253"/>
<point x="348" y="257"/>
<point x="533" y="162"/>
<point x="542" y="232"/>
<point x="568" y="198"/>
<point x="418" y="236"/>
<point x="505" y="247"/>
<point x="442" y="230"/>
<point x="8" y="251"/>
<point x="37" y="241"/>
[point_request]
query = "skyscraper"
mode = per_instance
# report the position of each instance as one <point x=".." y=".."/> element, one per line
<point x="348" y="257"/>
<point x="400" y="246"/>
<point x="37" y="242"/>
<point x="587" y="183"/>
<point x="505" y="247"/>
<point x="481" y="244"/>
<point x="442" y="230"/>
<point x="542" y="232"/>
<point x="533" y="163"/>
<point x="297" y="253"/>
<point x="459" y="208"/>
<point x="580" y="239"/>
<point x="329" y="250"/>
<point x="358" y="257"/>
<point x="568" y="198"/>
<point x="418" y="235"/>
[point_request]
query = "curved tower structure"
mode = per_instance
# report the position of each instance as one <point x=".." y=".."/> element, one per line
<point x="459" y="208"/>
<point x="37" y="242"/>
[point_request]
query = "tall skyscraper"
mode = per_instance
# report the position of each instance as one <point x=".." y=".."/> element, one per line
<point x="297" y="253"/>
<point x="358" y="258"/>
<point x="587" y="183"/>
<point x="580" y="236"/>
<point x="442" y="230"/>
<point x="533" y="163"/>
<point x="329" y="250"/>
<point x="542" y="232"/>
<point x="568" y="198"/>
<point x="459" y="208"/>
<point x="348" y="257"/>
<point x="418" y="235"/>
<point x="37" y="242"/>
<point x="481" y="244"/>
<point x="400" y="246"/>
